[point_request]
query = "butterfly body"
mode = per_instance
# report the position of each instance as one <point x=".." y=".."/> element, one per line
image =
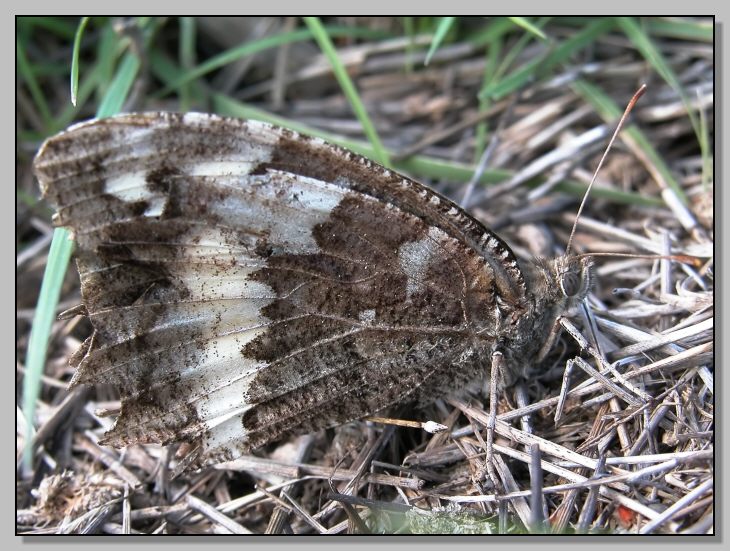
<point x="246" y="283"/>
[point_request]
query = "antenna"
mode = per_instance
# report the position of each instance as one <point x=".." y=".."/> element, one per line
<point x="629" y="107"/>
<point x="683" y="258"/>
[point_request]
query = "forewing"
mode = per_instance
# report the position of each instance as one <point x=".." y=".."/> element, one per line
<point x="245" y="282"/>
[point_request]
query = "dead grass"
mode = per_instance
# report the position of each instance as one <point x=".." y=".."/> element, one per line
<point x="632" y="449"/>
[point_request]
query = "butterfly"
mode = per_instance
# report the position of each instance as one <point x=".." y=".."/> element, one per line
<point x="246" y="283"/>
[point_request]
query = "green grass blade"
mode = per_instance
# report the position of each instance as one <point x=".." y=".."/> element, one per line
<point x="167" y="70"/>
<point x="529" y="27"/>
<point x="187" y="58"/>
<point x="651" y="53"/>
<point x="251" y="48"/>
<point x="610" y="112"/>
<point x="229" y="107"/>
<point x="40" y="333"/>
<point x="542" y="66"/>
<point x="111" y="47"/>
<point x="409" y="29"/>
<point x="26" y="72"/>
<point x="442" y="30"/>
<point x="234" y="54"/>
<point x="684" y="30"/>
<point x="58" y="259"/>
<point x="96" y="78"/>
<point x="89" y="83"/>
<point x="119" y="89"/>
<point x="75" y="59"/>
<point x="493" y="55"/>
<point x="187" y="42"/>
<point x="325" y="44"/>
<point x="706" y="152"/>
<point x="514" y="52"/>
<point x="56" y="25"/>
<point x="420" y="165"/>
<point x="496" y="28"/>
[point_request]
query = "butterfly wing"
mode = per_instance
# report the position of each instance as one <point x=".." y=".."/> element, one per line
<point x="245" y="282"/>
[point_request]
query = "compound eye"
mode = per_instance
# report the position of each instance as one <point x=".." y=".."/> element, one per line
<point x="570" y="284"/>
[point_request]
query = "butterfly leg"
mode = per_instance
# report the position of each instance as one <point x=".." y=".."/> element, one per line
<point x="494" y="379"/>
<point x="548" y="344"/>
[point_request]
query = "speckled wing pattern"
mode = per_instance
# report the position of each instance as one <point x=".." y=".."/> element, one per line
<point x="246" y="283"/>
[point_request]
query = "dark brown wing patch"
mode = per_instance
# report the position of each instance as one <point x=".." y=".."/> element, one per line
<point x="246" y="283"/>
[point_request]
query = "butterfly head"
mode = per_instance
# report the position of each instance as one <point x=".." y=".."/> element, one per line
<point x="574" y="277"/>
